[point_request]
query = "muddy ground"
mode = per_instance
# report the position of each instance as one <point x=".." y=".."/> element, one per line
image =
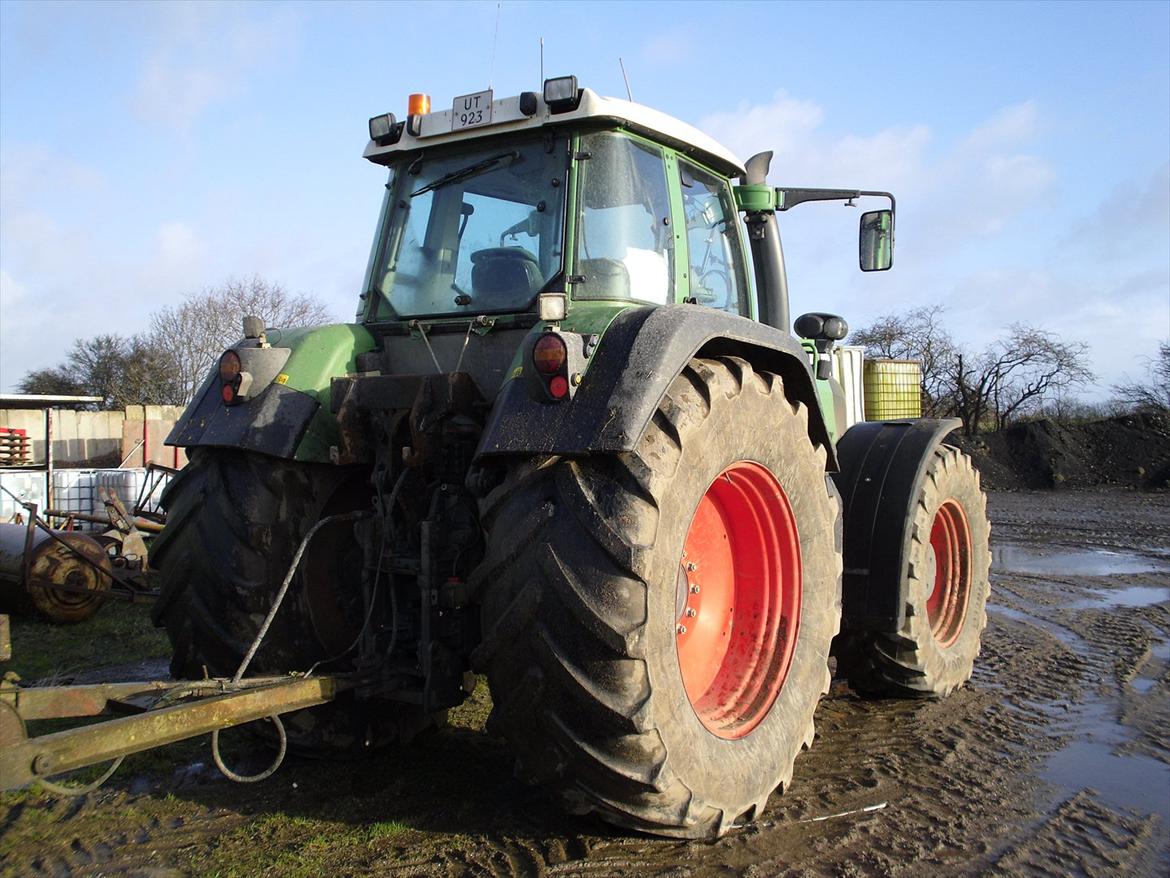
<point x="1054" y="760"/>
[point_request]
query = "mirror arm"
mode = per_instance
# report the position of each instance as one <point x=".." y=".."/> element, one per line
<point x="789" y="198"/>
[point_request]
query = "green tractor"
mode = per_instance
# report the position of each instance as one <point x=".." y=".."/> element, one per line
<point x="569" y="442"/>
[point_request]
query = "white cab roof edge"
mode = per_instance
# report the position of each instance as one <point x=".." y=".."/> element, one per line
<point x="435" y="128"/>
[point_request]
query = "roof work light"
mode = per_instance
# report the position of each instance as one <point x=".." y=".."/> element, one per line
<point x="561" y="94"/>
<point x="385" y="129"/>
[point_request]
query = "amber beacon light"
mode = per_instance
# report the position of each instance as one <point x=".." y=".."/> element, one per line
<point x="418" y="105"/>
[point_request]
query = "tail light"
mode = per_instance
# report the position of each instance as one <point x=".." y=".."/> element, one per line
<point x="229" y="367"/>
<point x="550" y="354"/>
<point x="554" y="361"/>
<point x="233" y="381"/>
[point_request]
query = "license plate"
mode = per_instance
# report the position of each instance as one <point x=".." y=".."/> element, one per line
<point x="471" y="110"/>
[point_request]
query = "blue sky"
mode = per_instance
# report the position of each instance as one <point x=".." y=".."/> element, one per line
<point x="149" y="150"/>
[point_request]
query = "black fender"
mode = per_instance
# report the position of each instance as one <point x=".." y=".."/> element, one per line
<point x="882" y="466"/>
<point x="642" y="352"/>
<point x="273" y="422"/>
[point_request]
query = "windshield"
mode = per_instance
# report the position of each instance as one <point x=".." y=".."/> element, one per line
<point x="472" y="232"/>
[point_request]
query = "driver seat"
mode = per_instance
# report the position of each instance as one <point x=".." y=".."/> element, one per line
<point x="499" y="270"/>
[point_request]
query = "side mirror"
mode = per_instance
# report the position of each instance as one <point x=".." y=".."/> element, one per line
<point x="876" y="240"/>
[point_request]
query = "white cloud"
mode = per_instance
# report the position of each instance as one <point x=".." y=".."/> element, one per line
<point x="173" y="96"/>
<point x="32" y="171"/>
<point x="669" y="47"/>
<point x="177" y="242"/>
<point x="1007" y="128"/>
<point x="205" y="54"/>
<point x="12" y="292"/>
<point x="784" y="125"/>
<point x="980" y="229"/>
<point x="176" y="263"/>
<point x="1132" y="219"/>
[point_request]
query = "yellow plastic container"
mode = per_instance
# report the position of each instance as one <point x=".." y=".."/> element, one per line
<point x="893" y="389"/>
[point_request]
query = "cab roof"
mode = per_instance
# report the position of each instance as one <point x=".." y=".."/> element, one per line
<point x="435" y="129"/>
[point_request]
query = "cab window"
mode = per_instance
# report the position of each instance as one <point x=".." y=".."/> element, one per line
<point x="625" y="249"/>
<point x="472" y="231"/>
<point x="716" y="271"/>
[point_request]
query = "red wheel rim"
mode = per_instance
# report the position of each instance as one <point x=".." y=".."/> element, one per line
<point x="738" y="603"/>
<point x="950" y="544"/>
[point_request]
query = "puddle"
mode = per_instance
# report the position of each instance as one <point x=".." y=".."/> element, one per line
<point x="1161" y="650"/>
<point x="1007" y="558"/>
<point x="1143" y="684"/>
<point x="1122" y="781"/>
<point x="1129" y="781"/>
<point x="1066" y="636"/>
<point x="1130" y="596"/>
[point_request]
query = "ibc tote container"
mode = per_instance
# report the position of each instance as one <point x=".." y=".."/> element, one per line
<point x="73" y="492"/>
<point x="893" y="390"/>
<point x="126" y="483"/>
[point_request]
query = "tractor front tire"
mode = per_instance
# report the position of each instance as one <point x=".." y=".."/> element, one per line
<point x="946" y="584"/>
<point x="657" y="623"/>
<point x="234" y="521"/>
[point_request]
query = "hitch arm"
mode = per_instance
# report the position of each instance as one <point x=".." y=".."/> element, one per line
<point x="26" y="761"/>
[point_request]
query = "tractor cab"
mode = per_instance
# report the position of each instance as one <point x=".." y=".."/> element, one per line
<point x="494" y="205"/>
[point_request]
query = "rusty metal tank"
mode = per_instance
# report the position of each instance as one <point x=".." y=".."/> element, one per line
<point x="63" y="579"/>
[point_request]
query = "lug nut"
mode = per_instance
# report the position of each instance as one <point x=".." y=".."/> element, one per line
<point x="694" y="589"/>
<point x="691" y="566"/>
<point x="691" y="612"/>
<point x="682" y="629"/>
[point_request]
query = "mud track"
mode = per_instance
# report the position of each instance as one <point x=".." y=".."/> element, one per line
<point x="1053" y="761"/>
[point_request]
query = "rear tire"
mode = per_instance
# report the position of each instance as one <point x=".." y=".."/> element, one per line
<point x="585" y="588"/>
<point x="947" y="585"/>
<point x="234" y="521"/>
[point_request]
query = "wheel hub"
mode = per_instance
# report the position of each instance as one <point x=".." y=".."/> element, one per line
<point x="950" y="551"/>
<point x="738" y="599"/>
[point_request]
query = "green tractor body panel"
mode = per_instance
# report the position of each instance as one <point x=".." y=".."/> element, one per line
<point x="826" y="395"/>
<point x="587" y="319"/>
<point x="319" y="355"/>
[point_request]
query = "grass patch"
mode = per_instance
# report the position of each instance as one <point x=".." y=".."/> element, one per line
<point x="119" y="633"/>
<point x="473" y="713"/>
<point x="385" y="829"/>
<point x="297" y="847"/>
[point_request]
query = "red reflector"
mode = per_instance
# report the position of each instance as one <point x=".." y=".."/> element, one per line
<point x="228" y="393"/>
<point x="229" y="366"/>
<point x="549" y="354"/>
<point x="559" y="387"/>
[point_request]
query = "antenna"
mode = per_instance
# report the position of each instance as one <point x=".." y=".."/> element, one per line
<point x="629" y="94"/>
<point x="542" y="59"/>
<point x="495" y="36"/>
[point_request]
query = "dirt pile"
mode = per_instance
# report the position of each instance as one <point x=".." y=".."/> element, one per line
<point x="1128" y="451"/>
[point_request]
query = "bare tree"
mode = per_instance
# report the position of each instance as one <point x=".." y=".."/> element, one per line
<point x="54" y="381"/>
<point x="122" y="371"/>
<point x="194" y="334"/>
<point x="918" y="335"/>
<point x="1014" y="376"/>
<point x="1154" y="394"/>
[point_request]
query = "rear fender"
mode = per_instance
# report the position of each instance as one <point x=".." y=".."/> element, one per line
<point x="287" y="413"/>
<point x="882" y="467"/>
<point x="643" y="350"/>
